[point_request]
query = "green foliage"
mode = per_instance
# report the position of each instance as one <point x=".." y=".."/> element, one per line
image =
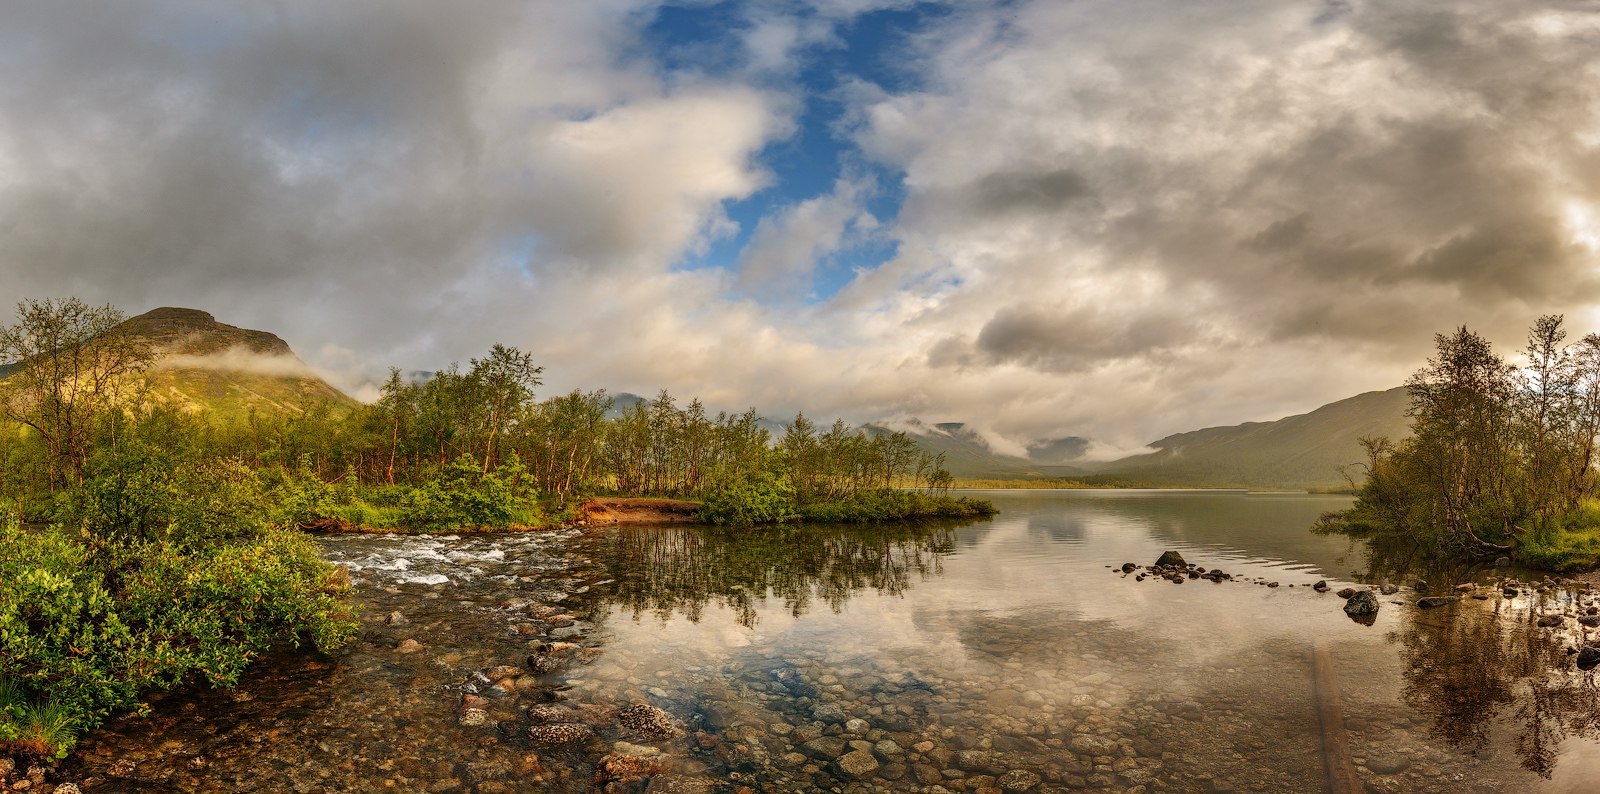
<point x="895" y="505"/>
<point x="94" y="614"/>
<point x="766" y="497"/>
<point x="464" y="497"/>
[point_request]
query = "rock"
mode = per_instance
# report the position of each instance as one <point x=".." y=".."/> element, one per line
<point x="1467" y="587"/>
<point x="1321" y="586"/>
<point x="1436" y="601"/>
<point x="828" y="712"/>
<point x="474" y="717"/>
<point x="545" y="663"/>
<point x="888" y="748"/>
<point x="1347" y="592"/>
<point x="1093" y="745"/>
<point x="396" y="618"/>
<point x="1129" y="567"/>
<point x="1590" y="621"/>
<point x="1018" y="780"/>
<point x="1588" y="658"/>
<point x="824" y="747"/>
<point x="1362" y="603"/>
<point x="1388" y="763"/>
<point x="408" y="646"/>
<point x="1549" y="621"/>
<point x="681" y="784"/>
<point x="68" y="788"/>
<point x="627" y="766"/>
<point x="1420" y="586"/>
<point x="1170" y="559"/>
<point x="857" y="725"/>
<point x="649" y="721"/>
<point x="503" y="671"/>
<point x="1502" y="562"/>
<point x="556" y="734"/>
<point x="857" y="763"/>
<point x="1509" y="592"/>
<point x="1389" y="589"/>
<point x="547" y="713"/>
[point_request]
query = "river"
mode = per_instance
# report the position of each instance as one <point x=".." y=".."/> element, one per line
<point x="1008" y="654"/>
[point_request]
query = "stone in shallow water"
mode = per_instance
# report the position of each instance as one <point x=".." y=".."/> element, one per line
<point x="649" y="721"/>
<point x="1170" y="559"/>
<point x="559" y="733"/>
<point x="1362" y="603"/>
<point x="858" y="763"/>
<point x="1588" y="658"/>
<point x="1018" y="780"/>
<point x="1436" y="601"/>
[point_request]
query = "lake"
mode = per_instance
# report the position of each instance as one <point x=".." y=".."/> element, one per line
<point x="1008" y="654"/>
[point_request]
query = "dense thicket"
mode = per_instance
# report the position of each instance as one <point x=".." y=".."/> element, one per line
<point x="1501" y="456"/>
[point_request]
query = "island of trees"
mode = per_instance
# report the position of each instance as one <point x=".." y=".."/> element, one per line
<point x="144" y="544"/>
<point x="1500" y="460"/>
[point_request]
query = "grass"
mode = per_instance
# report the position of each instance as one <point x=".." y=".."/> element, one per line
<point x="40" y="729"/>
<point x="1571" y="545"/>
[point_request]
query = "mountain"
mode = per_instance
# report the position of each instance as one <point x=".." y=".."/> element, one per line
<point x="204" y="365"/>
<point x="1302" y="451"/>
<point x="969" y="456"/>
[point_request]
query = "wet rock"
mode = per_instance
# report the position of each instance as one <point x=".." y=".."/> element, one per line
<point x="1388" y="763"/>
<point x="857" y="725"/>
<point x="1466" y="587"/>
<point x="1590" y="621"/>
<point x="628" y="763"/>
<point x="1509" y="592"/>
<point x="974" y="761"/>
<point x="1018" y="780"/>
<point x="1346" y="592"/>
<point x="473" y="717"/>
<point x="1129" y="567"/>
<point x="408" y="646"/>
<point x="556" y="734"/>
<point x="1549" y="621"/>
<point x="892" y="771"/>
<point x="1502" y="562"/>
<point x="500" y="672"/>
<point x="649" y="721"/>
<point x="824" y="747"/>
<point x="1588" y="658"/>
<point x="1321" y="586"/>
<point x="396" y="618"/>
<point x="545" y="663"/>
<point x="1436" y="601"/>
<point x="1388" y="588"/>
<point x="1362" y="603"/>
<point x="1170" y="559"/>
<point x="548" y="713"/>
<point x="828" y="712"/>
<point x="1420" y="586"/>
<point x="68" y="788"/>
<point x="681" y="784"/>
<point x="888" y="748"/>
<point x="857" y="764"/>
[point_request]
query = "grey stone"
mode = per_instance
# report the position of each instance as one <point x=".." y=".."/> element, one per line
<point x="857" y="763"/>
<point x="1362" y="603"/>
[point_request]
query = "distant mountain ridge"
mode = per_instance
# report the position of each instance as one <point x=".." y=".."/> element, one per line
<point x="212" y="367"/>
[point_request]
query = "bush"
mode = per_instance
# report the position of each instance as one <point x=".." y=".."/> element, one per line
<point x="193" y="585"/>
<point x="463" y="496"/>
<point x="767" y="498"/>
<point x="894" y="505"/>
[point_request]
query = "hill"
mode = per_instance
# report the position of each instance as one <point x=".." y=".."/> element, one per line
<point x="969" y="456"/>
<point x="1302" y="451"/>
<point x="225" y="370"/>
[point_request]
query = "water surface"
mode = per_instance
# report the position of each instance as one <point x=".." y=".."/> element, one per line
<point x="1007" y="652"/>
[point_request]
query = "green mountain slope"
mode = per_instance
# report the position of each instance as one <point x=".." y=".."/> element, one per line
<point x="1303" y="451"/>
<point x="968" y="456"/>
<point x="225" y="371"/>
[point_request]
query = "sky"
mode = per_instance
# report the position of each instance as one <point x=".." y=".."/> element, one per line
<point x="1115" y="219"/>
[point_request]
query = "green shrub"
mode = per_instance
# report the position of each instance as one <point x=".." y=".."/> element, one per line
<point x="894" y="505"/>
<point x="463" y="496"/>
<point x="95" y="615"/>
<point x="766" y="498"/>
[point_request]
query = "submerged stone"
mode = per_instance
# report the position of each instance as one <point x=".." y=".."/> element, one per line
<point x="1364" y="602"/>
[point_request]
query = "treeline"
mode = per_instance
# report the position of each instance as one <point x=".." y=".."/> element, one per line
<point x="441" y="450"/>
<point x="1501" y="457"/>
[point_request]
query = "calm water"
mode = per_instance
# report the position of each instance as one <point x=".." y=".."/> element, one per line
<point x="1002" y="653"/>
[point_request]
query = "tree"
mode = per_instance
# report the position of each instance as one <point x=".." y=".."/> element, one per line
<point x="66" y="366"/>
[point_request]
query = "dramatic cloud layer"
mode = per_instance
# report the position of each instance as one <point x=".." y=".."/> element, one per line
<point x="1110" y="218"/>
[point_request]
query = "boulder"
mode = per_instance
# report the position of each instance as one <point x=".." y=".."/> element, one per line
<point x="1321" y="586"/>
<point x="1550" y="621"/>
<point x="1170" y="559"/>
<point x="857" y="763"/>
<point x="1362" y="603"/>
<point x="1018" y="780"/>
<point x="1436" y="601"/>
<point x="1588" y="658"/>
<point x="649" y="721"/>
<point x="1347" y="592"/>
<point x="1388" y="588"/>
<point x="556" y="734"/>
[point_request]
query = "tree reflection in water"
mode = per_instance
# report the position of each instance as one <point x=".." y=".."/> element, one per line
<point x="1477" y="668"/>
<point x="678" y="569"/>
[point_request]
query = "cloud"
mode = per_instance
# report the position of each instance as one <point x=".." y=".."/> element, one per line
<point x="1111" y="220"/>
